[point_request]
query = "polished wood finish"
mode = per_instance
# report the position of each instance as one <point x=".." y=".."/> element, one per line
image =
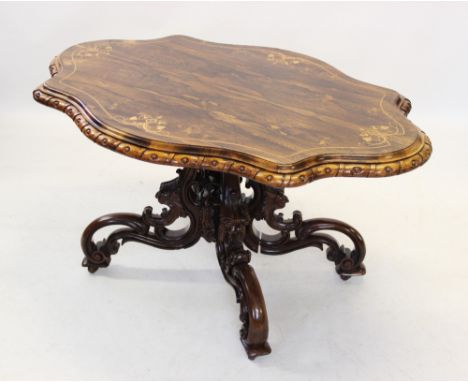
<point x="219" y="212"/>
<point x="227" y="114"/>
<point x="277" y="117"/>
<point x="233" y="218"/>
<point x="306" y="233"/>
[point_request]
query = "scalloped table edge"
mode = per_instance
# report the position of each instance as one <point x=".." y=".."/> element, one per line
<point x="320" y="170"/>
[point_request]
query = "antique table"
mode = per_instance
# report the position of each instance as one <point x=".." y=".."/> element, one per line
<point x="223" y="113"/>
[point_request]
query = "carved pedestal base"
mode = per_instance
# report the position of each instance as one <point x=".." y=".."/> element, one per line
<point x="220" y="213"/>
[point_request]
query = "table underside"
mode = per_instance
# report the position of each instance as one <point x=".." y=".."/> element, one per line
<point x="220" y="213"/>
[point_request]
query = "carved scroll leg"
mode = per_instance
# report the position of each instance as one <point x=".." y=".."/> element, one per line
<point x="263" y="205"/>
<point x="348" y="262"/>
<point x="234" y="259"/>
<point x="98" y="255"/>
<point x="148" y="228"/>
<point x="253" y="314"/>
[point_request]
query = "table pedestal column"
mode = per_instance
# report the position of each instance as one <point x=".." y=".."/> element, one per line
<point x="220" y="213"/>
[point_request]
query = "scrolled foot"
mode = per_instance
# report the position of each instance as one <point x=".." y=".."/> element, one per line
<point x="150" y="228"/>
<point x="99" y="255"/>
<point x="296" y="233"/>
<point x="233" y="260"/>
<point x="254" y="351"/>
<point x="253" y="314"/>
<point x="91" y="267"/>
<point x="347" y="262"/>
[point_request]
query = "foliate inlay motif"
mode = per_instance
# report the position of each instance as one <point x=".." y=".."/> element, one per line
<point x="224" y="114"/>
<point x="273" y="179"/>
<point x="93" y="51"/>
<point x="378" y="136"/>
<point x="281" y="118"/>
<point x="280" y="58"/>
<point x="146" y="122"/>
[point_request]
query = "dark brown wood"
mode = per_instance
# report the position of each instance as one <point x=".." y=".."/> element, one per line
<point x="267" y="200"/>
<point x="188" y="195"/>
<point x="220" y="213"/>
<point x="233" y="259"/>
<point x="228" y="113"/>
<point x="193" y="194"/>
<point x="280" y="118"/>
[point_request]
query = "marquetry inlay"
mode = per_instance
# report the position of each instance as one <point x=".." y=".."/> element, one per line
<point x="278" y="117"/>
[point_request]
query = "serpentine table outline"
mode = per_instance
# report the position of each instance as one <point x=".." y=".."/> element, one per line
<point x="207" y="190"/>
<point x="260" y="170"/>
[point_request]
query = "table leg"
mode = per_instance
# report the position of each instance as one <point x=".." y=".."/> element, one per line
<point x="220" y="213"/>
<point x="263" y="205"/>
<point x="233" y="259"/>
<point x="149" y="228"/>
<point x="217" y="212"/>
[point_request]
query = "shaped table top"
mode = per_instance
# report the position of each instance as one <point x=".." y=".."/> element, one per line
<point x="280" y="118"/>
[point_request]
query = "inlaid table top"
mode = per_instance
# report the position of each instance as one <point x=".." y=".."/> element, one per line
<point x="278" y="117"/>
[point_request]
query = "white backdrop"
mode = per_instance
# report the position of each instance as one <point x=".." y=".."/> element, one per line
<point x="156" y="314"/>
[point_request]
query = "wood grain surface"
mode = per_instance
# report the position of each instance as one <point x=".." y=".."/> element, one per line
<point x="281" y="118"/>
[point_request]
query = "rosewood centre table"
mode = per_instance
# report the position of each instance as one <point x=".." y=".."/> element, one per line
<point x="224" y="114"/>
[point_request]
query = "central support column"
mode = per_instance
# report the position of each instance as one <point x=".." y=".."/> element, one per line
<point x="218" y="212"/>
<point x="234" y="262"/>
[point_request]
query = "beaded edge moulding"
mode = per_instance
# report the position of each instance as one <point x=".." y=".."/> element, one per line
<point x="318" y="168"/>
